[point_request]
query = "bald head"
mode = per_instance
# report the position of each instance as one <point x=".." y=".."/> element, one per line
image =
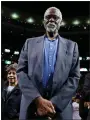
<point x="53" y="11"/>
<point x="52" y="19"/>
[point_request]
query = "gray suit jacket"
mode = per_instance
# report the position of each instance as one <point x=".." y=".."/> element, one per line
<point x="65" y="79"/>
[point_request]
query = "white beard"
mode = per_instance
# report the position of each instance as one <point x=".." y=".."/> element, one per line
<point x="51" y="27"/>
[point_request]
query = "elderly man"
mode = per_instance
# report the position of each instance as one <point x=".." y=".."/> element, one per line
<point x="48" y="72"/>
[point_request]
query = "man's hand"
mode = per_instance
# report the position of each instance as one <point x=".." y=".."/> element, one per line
<point x="87" y="104"/>
<point x="44" y="107"/>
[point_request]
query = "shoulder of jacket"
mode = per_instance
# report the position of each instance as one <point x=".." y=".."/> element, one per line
<point x="33" y="38"/>
<point x="69" y="41"/>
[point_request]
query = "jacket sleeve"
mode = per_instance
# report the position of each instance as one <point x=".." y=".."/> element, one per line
<point x="28" y="89"/>
<point x="83" y="111"/>
<point x="63" y="97"/>
<point x="86" y="87"/>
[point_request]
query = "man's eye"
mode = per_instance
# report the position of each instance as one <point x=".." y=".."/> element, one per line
<point x="54" y="17"/>
<point x="47" y="17"/>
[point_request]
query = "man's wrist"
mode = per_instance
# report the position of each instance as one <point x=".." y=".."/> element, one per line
<point x="54" y="105"/>
<point x="37" y="99"/>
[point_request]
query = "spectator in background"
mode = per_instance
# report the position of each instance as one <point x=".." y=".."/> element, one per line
<point x="11" y="94"/>
<point x="84" y="109"/>
<point x="75" y="105"/>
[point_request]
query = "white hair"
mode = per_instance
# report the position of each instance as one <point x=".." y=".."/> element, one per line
<point x="58" y="10"/>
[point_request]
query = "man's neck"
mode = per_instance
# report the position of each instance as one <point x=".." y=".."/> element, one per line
<point x="51" y="36"/>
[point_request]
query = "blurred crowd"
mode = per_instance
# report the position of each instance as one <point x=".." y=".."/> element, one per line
<point x="11" y="97"/>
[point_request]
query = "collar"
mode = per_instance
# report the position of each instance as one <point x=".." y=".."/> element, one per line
<point x="46" y="37"/>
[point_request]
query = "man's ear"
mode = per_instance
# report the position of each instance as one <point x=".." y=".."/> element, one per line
<point x="61" y="22"/>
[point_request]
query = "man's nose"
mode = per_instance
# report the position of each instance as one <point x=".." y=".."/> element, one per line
<point x="51" y="19"/>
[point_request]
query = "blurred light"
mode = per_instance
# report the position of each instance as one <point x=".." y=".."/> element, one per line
<point x="80" y="58"/>
<point x="16" y="52"/>
<point x="76" y="22"/>
<point x="88" y="21"/>
<point x="21" y="34"/>
<point x="30" y="20"/>
<point x="84" y="27"/>
<point x="7" y="62"/>
<point x="14" y="15"/>
<point x="68" y="28"/>
<point x="83" y="69"/>
<point x="63" y="23"/>
<point x="7" y="50"/>
<point x="87" y="58"/>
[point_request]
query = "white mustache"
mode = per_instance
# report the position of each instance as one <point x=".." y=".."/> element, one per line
<point x="51" y="25"/>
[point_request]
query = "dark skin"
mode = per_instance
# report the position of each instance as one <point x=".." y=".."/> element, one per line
<point x="53" y="35"/>
<point x="52" y="17"/>
<point x="45" y="107"/>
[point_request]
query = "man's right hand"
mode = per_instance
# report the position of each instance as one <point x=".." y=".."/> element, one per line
<point x="44" y="107"/>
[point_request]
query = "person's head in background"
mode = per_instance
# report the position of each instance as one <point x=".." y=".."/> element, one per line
<point x="76" y="98"/>
<point x="52" y="21"/>
<point x="73" y="99"/>
<point x="11" y="74"/>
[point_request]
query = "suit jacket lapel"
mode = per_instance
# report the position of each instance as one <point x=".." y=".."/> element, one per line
<point x="61" y="59"/>
<point x="40" y="56"/>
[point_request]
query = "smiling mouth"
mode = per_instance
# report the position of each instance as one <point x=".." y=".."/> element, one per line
<point x="11" y="78"/>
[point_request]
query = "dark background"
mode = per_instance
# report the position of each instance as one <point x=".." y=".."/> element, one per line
<point x="68" y="8"/>
<point x="15" y="32"/>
